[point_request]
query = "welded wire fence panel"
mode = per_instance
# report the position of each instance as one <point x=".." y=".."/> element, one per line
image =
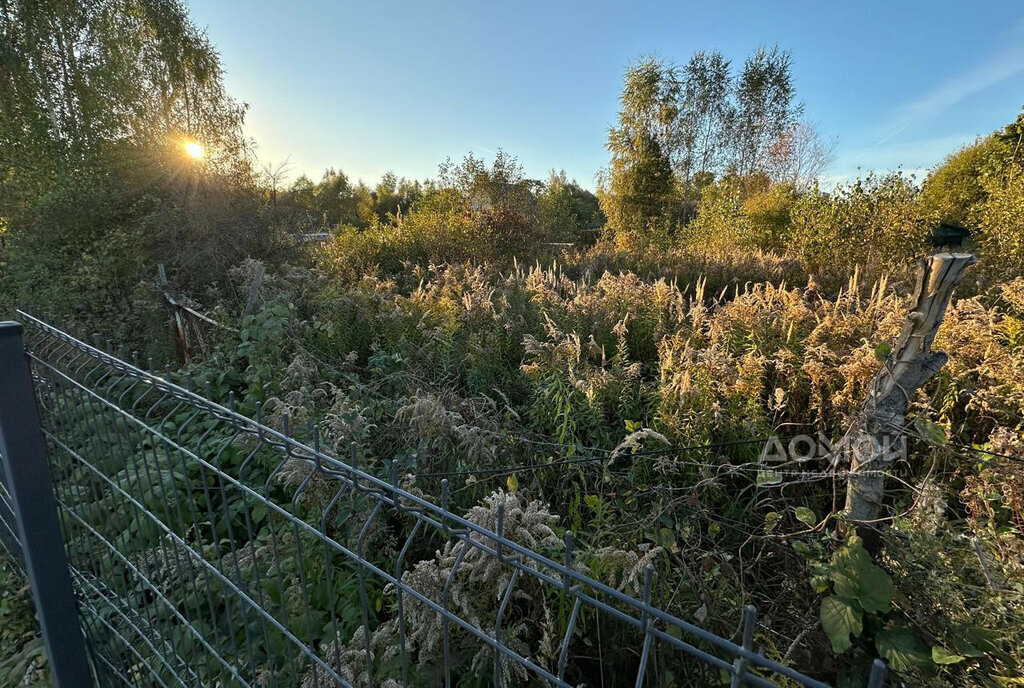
<point x="9" y="527"/>
<point x="208" y="549"/>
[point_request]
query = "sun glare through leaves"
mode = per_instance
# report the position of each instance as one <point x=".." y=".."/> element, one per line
<point x="194" y="150"/>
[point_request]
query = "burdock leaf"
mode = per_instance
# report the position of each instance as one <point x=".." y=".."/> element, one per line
<point x="839" y="619"/>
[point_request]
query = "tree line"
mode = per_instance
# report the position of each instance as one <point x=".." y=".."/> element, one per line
<point x="96" y="101"/>
<point x="682" y="127"/>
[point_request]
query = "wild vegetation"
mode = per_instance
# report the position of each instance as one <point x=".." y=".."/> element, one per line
<point x="24" y="659"/>
<point x="611" y="362"/>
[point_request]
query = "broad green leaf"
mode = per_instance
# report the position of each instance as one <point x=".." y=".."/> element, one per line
<point x="972" y="641"/>
<point x="941" y="655"/>
<point x="771" y="520"/>
<point x="858" y="578"/>
<point x="805" y="515"/>
<point x="882" y="351"/>
<point x="258" y="512"/>
<point x="903" y="649"/>
<point x="930" y="432"/>
<point x="840" y="619"/>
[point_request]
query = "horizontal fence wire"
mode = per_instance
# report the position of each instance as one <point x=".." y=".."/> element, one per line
<point x="209" y="549"/>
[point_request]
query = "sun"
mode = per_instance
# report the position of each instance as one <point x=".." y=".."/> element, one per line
<point x="194" y="150"/>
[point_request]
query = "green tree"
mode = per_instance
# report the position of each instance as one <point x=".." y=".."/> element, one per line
<point x="473" y="211"/>
<point x="680" y="128"/>
<point x="637" y="193"/>
<point x="707" y="111"/>
<point x="956" y="189"/>
<point x="96" y="102"/>
<point x="79" y="79"/>
<point x="568" y="212"/>
<point x="873" y="223"/>
<point x="980" y="187"/>
<point x="333" y="200"/>
<point x="390" y="200"/>
<point x="765" y="108"/>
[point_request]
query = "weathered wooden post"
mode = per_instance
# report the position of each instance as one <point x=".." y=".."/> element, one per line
<point x="876" y="437"/>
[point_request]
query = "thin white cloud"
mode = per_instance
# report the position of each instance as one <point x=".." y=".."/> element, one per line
<point x="889" y="136"/>
<point x="910" y="157"/>
<point x="1005" y="63"/>
<point x="484" y="149"/>
<point x="926" y="151"/>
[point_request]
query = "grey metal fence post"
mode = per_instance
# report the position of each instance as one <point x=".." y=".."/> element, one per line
<point x="27" y="473"/>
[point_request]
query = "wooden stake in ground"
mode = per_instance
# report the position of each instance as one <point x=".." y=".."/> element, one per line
<point x="876" y="438"/>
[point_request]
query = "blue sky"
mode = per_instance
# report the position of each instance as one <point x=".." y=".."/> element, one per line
<point x="372" y="87"/>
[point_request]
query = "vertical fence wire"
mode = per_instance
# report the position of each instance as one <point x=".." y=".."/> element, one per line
<point x="208" y="548"/>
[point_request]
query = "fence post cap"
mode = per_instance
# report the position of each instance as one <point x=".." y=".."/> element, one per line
<point x="10" y="328"/>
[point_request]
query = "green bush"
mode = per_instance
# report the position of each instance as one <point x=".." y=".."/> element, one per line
<point x="873" y="223"/>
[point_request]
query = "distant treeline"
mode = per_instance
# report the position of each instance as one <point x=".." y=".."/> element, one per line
<point x="96" y="189"/>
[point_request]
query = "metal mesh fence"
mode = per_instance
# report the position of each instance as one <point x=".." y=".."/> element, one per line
<point x="207" y="548"/>
<point x="9" y="528"/>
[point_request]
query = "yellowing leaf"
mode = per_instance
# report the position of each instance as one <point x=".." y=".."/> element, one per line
<point x="941" y="655"/>
<point x="513" y="482"/>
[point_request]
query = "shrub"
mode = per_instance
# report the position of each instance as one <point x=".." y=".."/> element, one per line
<point x="873" y="223"/>
<point x="999" y="224"/>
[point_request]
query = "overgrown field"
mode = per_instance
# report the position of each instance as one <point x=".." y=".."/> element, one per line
<point x="626" y="390"/>
<point x="649" y="399"/>
<point x="630" y="364"/>
<point x="23" y="659"/>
